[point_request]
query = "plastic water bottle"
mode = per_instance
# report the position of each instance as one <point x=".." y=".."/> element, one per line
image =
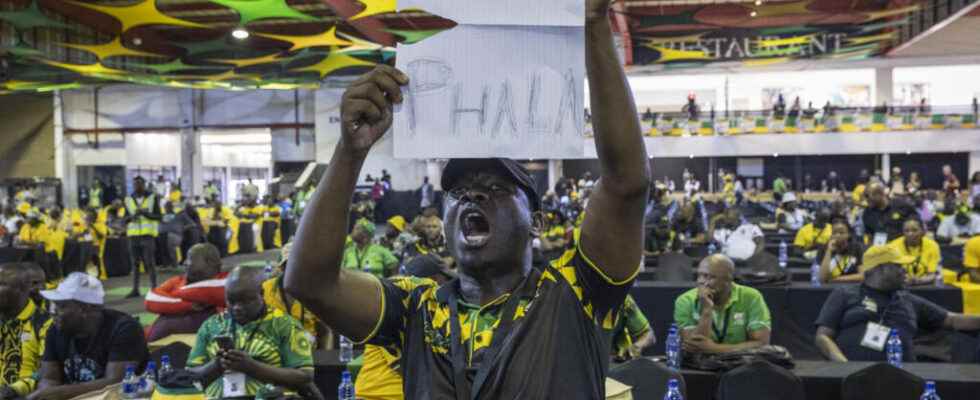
<point x="148" y="381"/>
<point x="346" y="350"/>
<point x="673" y="348"/>
<point x="815" y="274"/>
<point x="268" y="269"/>
<point x="130" y="383"/>
<point x="346" y="389"/>
<point x="711" y="248"/>
<point x="930" y="393"/>
<point x="165" y="367"/>
<point x="783" y="255"/>
<point x="673" y="390"/>
<point x="939" y="276"/>
<point x="893" y="349"/>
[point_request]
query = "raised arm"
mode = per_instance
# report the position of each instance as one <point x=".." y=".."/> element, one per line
<point x="612" y="233"/>
<point x="349" y="301"/>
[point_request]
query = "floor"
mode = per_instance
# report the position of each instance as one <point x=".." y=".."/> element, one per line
<point x="117" y="288"/>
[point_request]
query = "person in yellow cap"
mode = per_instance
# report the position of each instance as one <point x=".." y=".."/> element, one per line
<point x="971" y="258"/>
<point x="922" y="253"/>
<point x="855" y="320"/>
<point x="396" y="238"/>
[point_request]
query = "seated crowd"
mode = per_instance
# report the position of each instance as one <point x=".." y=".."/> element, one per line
<point x="252" y="335"/>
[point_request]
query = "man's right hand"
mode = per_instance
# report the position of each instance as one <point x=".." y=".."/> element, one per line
<point x="366" y="108"/>
<point x="707" y="302"/>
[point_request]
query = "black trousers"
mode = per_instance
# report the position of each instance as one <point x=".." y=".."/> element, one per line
<point x="143" y="249"/>
<point x="246" y="238"/>
<point x="216" y="236"/>
<point x="269" y="235"/>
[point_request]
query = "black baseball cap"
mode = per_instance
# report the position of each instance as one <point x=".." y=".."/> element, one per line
<point x="458" y="167"/>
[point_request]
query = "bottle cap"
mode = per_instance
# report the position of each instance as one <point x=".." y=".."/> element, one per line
<point x="930" y="385"/>
<point x="345" y="375"/>
<point x="164" y="359"/>
<point x="673" y="383"/>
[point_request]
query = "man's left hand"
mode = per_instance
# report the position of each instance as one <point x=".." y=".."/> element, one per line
<point x="700" y="344"/>
<point x="237" y="360"/>
<point x="596" y="9"/>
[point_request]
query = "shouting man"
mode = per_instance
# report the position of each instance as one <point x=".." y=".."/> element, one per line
<point x="487" y="333"/>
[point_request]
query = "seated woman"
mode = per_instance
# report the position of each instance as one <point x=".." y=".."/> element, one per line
<point x="925" y="253"/>
<point x="840" y="260"/>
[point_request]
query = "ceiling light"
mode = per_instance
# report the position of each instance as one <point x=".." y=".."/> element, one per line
<point x="758" y="2"/>
<point x="753" y="13"/>
<point x="239" y="33"/>
<point x="137" y="41"/>
<point x="775" y="154"/>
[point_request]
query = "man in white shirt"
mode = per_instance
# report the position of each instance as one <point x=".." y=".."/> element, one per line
<point x="961" y="225"/>
<point x="739" y="240"/>
<point x="789" y="217"/>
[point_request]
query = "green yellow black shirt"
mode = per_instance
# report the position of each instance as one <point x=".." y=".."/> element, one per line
<point x="275" y="339"/>
<point x="558" y="346"/>
<point x="21" y="348"/>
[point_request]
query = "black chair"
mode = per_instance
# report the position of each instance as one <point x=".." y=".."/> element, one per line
<point x="744" y="383"/>
<point x="882" y="381"/>
<point x="178" y="353"/>
<point x="674" y="267"/>
<point x="647" y="378"/>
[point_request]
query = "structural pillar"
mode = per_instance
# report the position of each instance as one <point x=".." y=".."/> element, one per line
<point x="886" y="167"/>
<point x="556" y="169"/>
<point x="62" y="151"/>
<point x="974" y="163"/>
<point x="884" y="85"/>
<point x="191" y="167"/>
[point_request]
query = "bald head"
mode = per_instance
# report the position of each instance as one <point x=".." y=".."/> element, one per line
<point x="243" y="293"/>
<point x="877" y="196"/>
<point x="716" y="272"/>
<point x="205" y="262"/>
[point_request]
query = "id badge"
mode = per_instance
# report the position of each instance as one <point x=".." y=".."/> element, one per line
<point x="875" y="336"/>
<point x="233" y="385"/>
<point x="880" y="239"/>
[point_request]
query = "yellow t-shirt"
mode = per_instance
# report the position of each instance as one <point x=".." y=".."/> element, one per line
<point x="858" y="194"/>
<point x="971" y="253"/>
<point x="926" y="256"/>
<point x="377" y="380"/>
<point x="808" y="237"/>
<point x="274" y="298"/>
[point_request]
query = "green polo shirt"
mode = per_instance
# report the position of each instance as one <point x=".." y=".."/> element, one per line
<point x="746" y="312"/>
<point x="375" y="259"/>
<point x="630" y="326"/>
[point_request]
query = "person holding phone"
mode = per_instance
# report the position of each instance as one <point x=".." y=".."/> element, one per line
<point x="719" y="316"/>
<point x="240" y="351"/>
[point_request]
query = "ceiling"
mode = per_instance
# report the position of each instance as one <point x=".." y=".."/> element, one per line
<point x="959" y="37"/>
<point x="55" y="44"/>
<point x="52" y="44"/>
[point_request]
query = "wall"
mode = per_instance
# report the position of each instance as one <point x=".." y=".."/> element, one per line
<point x="948" y="86"/>
<point x="26" y="136"/>
<point x="406" y="174"/>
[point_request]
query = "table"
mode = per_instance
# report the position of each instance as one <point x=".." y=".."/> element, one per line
<point x="793" y="308"/>
<point x="822" y="380"/>
<point x="16" y="254"/>
<point x="326" y="371"/>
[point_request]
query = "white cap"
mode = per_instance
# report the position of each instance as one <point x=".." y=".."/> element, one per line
<point x="788" y="197"/>
<point x="77" y="286"/>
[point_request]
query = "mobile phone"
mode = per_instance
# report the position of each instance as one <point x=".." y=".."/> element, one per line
<point x="225" y="342"/>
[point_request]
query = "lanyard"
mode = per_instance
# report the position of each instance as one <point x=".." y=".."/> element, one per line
<point x="465" y="390"/>
<point x="915" y="267"/>
<point x="724" y="326"/>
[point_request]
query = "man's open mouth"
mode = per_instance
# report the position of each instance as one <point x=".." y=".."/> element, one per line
<point x="475" y="227"/>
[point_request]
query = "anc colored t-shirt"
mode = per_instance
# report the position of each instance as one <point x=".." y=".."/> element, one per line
<point x="971" y="253"/>
<point x="926" y="256"/>
<point x="276" y="339"/>
<point x="275" y="297"/>
<point x="632" y="325"/>
<point x="21" y="348"/>
<point x="374" y="259"/>
<point x="809" y="236"/>
<point x="569" y="305"/>
<point x="745" y="312"/>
